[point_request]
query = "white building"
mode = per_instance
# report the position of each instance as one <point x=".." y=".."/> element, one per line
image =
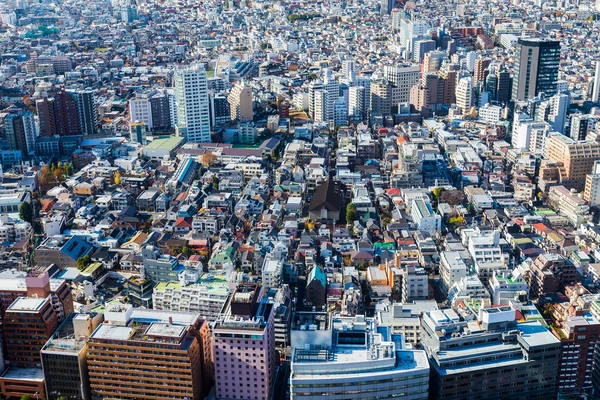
<point x="490" y="113"/>
<point x="141" y="111"/>
<point x="569" y="204"/>
<point x="193" y="114"/>
<point x="505" y="285"/>
<point x="359" y="362"/>
<point x="452" y="268"/>
<point x="402" y="77"/>
<point x="424" y="217"/>
<point x="356" y="102"/>
<point x="591" y="194"/>
<point x="464" y="94"/>
<point x="469" y="289"/>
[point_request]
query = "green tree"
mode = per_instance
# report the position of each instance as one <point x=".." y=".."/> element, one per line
<point x="215" y="182"/>
<point x="62" y="398"/>
<point x="437" y="192"/>
<point x="187" y="251"/>
<point x="351" y="213"/>
<point x="263" y="46"/>
<point x="26" y="397"/>
<point x="83" y="262"/>
<point x="26" y="211"/>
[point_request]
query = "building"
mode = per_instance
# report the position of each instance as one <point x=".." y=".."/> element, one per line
<point x="87" y="110"/>
<point x="402" y="77"/>
<point x="488" y="354"/>
<point x="206" y="296"/>
<point x="404" y="318"/>
<point x="381" y="97"/>
<point x="548" y="273"/>
<point x="20" y="131"/>
<point x="506" y="286"/>
<point x="452" y="268"/>
<point x="316" y="288"/>
<point x="247" y="133"/>
<point x="244" y="346"/>
<point x="361" y="360"/>
<point x="191" y="94"/>
<point x="46" y="111"/>
<point x="596" y="87"/>
<point x="67" y="114"/>
<point x="464" y="94"/>
<point x="424" y="218"/>
<point x="27" y="325"/>
<point x="327" y="202"/>
<point x="240" y="102"/>
<point x="149" y="354"/>
<point x="569" y="204"/>
<point x="64" y="358"/>
<point x="574" y="159"/>
<point x="140" y="110"/>
<point x="536" y="68"/>
<point x="591" y="192"/>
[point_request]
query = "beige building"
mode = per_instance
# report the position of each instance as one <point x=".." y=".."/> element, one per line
<point x="574" y="159"/>
<point x="240" y="102"/>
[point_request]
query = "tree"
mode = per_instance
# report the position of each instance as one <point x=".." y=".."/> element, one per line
<point x="62" y="398"/>
<point x="187" y="251"/>
<point x="26" y="397"/>
<point x="208" y="159"/>
<point x="26" y="211"/>
<point x="310" y="225"/>
<point x="437" y="192"/>
<point x="215" y="182"/>
<point x="46" y="178"/>
<point x="83" y="262"/>
<point x="351" y="213"/>
<point x="117" y="178"/>
<point x="263" y="46"/>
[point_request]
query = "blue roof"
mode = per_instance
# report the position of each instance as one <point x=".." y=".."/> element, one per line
<point x="318" y="274"/>
<point x="76" y="248"/>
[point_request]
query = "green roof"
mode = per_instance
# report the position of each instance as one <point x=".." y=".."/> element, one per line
<point x="93" y="267"/>
<point x="164" y="143"/>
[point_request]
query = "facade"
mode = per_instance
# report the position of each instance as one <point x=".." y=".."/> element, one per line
<point x="67" y="114"/>
<point x="591" y="192"/>
<point x="240" y="102"/>
<point x="87" y="110"/>
<point x="575" y="159"/>
<point x="424" y="218"/>
<point x="149" y="354"/>
<point x="46" y="111"/>
<point x="21" y="131"/>
<point x="193" y="114"/>
<point x="489" y="355"/>
<point x="64" y="358"/>
<point x="536" y="68"/>
<point x="358" y="363"/>
<point x="244" y="346"/>
<point x="568" y="204"/>
<point x="452" y="268"/>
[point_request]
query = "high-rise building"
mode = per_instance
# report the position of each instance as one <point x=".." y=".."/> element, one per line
<point x="591" y="193"/>
<point x="46" y="111"/>
<point x="140" y="111"/>
<point x="422" y="46"/>
<point x="596" y="84"/>
<point x="87" y="110"/>
<point x="20" y="131"/>
<point x="150" y="354"/>
<point x="354" y="358"/>
<point x="464" y="94"/>
<point x="574" y="158"/>
<point x="536" y="68"/>
<point x="244" y="346"/>
<point x="191" y="94"/>
<point x="481" y="69"/>
<point x="381" y="97"/>
<point x="581" y="125"/>
<point x="488" y="354"/>
<point x="160" y="111"/>
<point x="356" y="102"/>
<point x="219" y="110"/>
<point x="348" y="66"/>
<point x="402" y="77"/>
<point x="64" y="358"/>
<point x="67" y="114"/>
<point x="240" y="102"/>
<point x="432" y="61"/>
<point x="137" y="132"/>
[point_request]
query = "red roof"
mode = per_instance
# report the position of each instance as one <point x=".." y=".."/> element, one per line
<point x="540" y="227"/>
<point x="183" y="222"/>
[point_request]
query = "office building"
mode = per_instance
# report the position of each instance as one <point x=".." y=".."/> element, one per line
<point x="64" y="358"/>
<point x="191" y="94"/>
<point x="140" y="110"/>
<point x="356" y="103"/>
<point x="381" y="98"/>
<point x="536" y="68"/>
<point x="404" y="318"/>
<point x="581" y="125"/>
<point x="402" y="77"/>
<point x="422" y="47"/>
<point x="488" y="354"/>
<point x="149" y="354"/>
<point x="220" y="112"/>
<point x="160" y="110"/>
<point x="481" y="69"/>
<point x="591" y="192"/>
<point x="240" y="102"/>
<point x="573" y="158"/>
<point x="359" y="360"/>
<point x="244" y="346"/>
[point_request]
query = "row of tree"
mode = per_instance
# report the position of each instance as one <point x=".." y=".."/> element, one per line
<point x="54" y="174"/>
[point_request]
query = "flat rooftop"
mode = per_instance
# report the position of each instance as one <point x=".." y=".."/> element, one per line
<point x="165" y="330"/>
<point x="27" y="304"/>
<point x="26" y="374"/>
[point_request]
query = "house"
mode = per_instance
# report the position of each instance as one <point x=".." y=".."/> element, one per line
<point x="327" y="202"/>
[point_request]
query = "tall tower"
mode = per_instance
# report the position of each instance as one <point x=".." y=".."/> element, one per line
<point x="536" y="68"/>
<point x="596" y="88"/>
<point x="191" y="94"/>
<point x="46" y="108"/>
<point x="240" y="102"/>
